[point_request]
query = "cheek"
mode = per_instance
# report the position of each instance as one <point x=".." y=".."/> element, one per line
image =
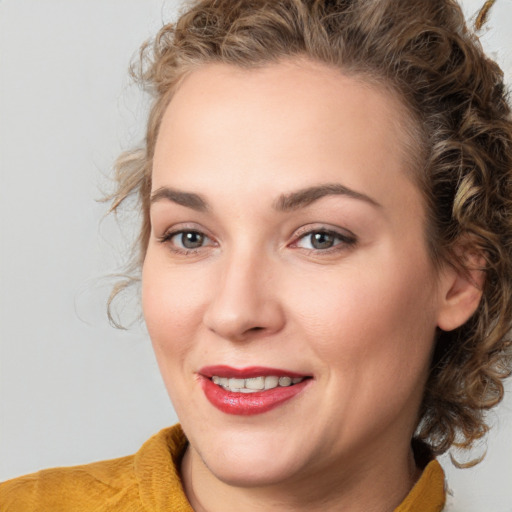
<point x="172" y="304"/>
<point x="375" y="321"/>
<point x="372" y="334"/>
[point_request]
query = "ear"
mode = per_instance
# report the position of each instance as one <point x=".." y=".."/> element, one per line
<point x="461" y="291"/>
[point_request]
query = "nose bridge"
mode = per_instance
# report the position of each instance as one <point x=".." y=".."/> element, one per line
<point x="244" y="299"/>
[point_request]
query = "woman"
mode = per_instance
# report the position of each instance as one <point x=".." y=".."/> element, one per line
<point x="325" y="191"/>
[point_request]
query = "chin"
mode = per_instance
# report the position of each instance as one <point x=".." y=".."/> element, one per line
<point x="249" y="459"/>
<point x="250" y="473"/>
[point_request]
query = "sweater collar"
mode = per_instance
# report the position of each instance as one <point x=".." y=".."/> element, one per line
<point x="157" y="466"/>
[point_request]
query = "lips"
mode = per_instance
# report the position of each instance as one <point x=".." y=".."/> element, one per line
<point x="249" y="391"/>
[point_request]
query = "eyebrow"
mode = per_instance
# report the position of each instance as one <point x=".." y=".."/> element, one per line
<point x="188" y="199"/>
<point x="306" y="196"/>
<point x="286" y="202"/>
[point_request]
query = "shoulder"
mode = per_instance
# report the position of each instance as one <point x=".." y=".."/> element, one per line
<point x="76" y="488"/>
<point x="143" y="481"/>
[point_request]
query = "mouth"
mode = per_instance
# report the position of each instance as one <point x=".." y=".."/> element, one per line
<point x="255" y="384"/>
<point x="252" y="390"/>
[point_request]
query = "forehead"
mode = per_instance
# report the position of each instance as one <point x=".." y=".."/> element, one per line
<point x="283" y="125"/>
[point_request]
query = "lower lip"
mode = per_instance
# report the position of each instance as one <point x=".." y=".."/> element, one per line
<point x="248" y="404"/>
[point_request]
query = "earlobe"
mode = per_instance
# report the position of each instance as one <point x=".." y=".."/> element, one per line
<point x="461" y="292"/>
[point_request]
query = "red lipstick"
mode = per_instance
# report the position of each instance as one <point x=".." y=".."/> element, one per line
<point x="246" y="373"/>
<point x="247" y="404"/>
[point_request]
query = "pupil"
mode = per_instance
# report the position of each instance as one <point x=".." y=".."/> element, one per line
<point x="322" y="240"/>
<point x="192" y="240"/>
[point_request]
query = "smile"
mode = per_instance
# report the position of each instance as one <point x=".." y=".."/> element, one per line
<point x="255" y="384"/>
<point x="250" y="391"/>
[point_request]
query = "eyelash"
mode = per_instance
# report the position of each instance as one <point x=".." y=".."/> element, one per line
<point x="167" y="239"/>
<point x="344" y="241"/>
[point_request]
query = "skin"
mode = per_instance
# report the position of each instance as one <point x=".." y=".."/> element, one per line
<point x="359" y="317"/>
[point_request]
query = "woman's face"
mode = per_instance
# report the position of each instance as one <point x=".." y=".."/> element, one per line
<point x="288" y="248"/>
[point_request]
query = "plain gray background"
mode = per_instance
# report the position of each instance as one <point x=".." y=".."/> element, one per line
<point x="73" y="389"/>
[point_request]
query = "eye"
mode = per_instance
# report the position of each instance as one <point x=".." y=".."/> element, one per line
<point x="323" y="240"/>
<point x="186" y="240"/>
<point x="189" y="239"/>
<point x="320" y="240"/>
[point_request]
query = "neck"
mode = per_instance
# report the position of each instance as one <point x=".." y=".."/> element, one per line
<point x="376" y="483"/>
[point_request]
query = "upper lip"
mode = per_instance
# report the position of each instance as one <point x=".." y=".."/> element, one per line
<point x="247" y="372"/>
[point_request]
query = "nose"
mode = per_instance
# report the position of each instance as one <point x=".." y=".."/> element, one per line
<point x="245" y="301"/>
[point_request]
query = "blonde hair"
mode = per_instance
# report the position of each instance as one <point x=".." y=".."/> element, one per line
<point x="455" y="96"/>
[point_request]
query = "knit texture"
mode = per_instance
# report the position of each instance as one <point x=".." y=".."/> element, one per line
<point x="149" y="481"/>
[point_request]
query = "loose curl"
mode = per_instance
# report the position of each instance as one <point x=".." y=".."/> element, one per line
<point x="461" y="126"/>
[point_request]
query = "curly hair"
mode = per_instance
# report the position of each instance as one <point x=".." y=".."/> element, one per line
<point x="456" y="100"/>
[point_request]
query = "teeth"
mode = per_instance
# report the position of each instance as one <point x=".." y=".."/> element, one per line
<point x="237" y="383"/>
<point x="271" y="382"/>
<point x="285" y="381"/>
<point x="254" y="384"/>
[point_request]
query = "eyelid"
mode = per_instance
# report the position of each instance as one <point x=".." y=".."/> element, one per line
<point x="171" y="234"/>
<point x="324" y="228"/>
<point x="178" y="229"/>
<point x="346" y="238"/>
<point x="181" y="227"/>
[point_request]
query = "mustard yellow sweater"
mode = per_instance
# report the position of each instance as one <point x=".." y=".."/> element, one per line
<point x="149" y="482"/>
